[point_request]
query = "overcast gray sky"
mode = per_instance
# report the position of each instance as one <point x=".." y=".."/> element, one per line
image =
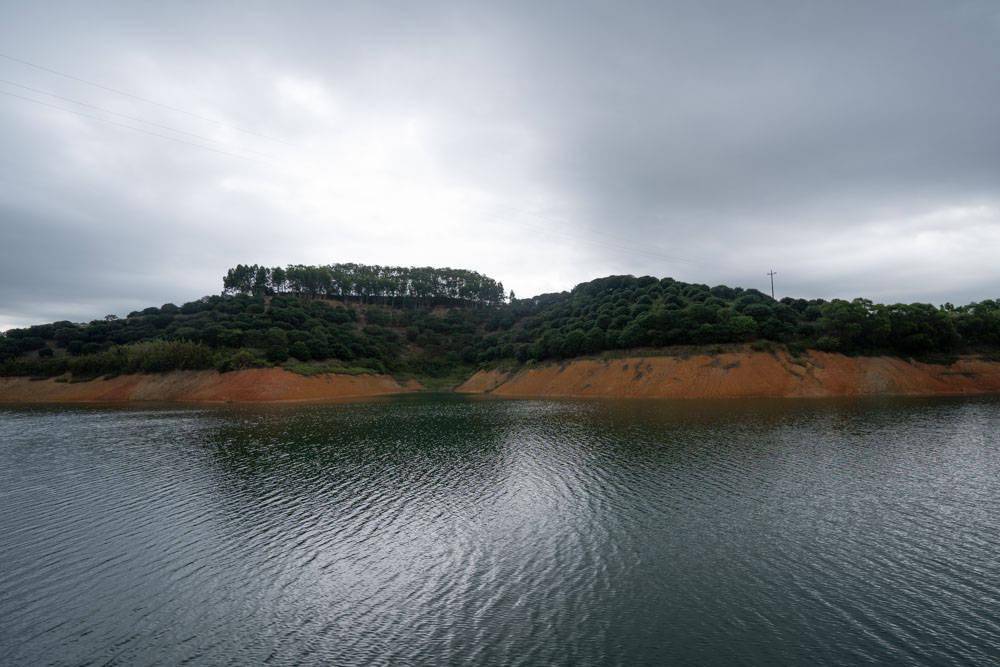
<point x="852" y="146"/>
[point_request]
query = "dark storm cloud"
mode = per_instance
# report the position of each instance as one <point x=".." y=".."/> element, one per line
<point x="853" y="146"/>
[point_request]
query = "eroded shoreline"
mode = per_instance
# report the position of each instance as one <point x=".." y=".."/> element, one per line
<point x="740" y="374"/>
<point x="735" y="374"/>
<point x="261" y="385"/>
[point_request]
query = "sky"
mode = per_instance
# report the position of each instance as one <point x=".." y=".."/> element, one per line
<point x="145" y="147"/>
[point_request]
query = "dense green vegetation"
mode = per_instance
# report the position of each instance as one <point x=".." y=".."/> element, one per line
<point x="437" y="323"/>
<point x="623" y="312"/>
<point x="242" y="331"/>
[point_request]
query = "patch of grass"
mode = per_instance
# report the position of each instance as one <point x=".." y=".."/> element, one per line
<point x="678" y="351"/>
<point x="443" y="382"/>
<point x="502" y="365"/>
<point x="310" y="368"/>
<point x="238" y="360"/>
<point x="938" y="359"/>
<point x="796" y="350"/>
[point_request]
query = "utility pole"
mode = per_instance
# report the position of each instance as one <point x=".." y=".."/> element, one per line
<point x="772" y="273"/>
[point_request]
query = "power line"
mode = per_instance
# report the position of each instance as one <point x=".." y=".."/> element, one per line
<point x="128" y="117"/>
<point x="772" y="273"/>
<point x="129" y="127"/>
<point x="140" y="98"/>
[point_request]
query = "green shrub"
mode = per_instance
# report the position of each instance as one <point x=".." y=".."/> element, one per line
<point x="300" y="351"/>
<point x="162" y="356"/>
<point x="796" y="349"/>
<point x="241" y="359"/>
<point x="277" y="354"/>
<point x="828" y="344"/>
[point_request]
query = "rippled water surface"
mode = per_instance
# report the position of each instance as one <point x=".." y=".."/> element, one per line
<point x="443" y="530"/>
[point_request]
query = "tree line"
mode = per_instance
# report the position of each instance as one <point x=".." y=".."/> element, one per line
<point x="394" y="285"/>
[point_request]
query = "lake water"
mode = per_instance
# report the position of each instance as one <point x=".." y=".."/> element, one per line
<point x="447" y="530"/>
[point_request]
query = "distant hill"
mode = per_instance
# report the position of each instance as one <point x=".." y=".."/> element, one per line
<point x="437" y="323"/>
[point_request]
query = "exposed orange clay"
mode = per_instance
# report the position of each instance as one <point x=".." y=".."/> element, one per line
<point x="262" y="385"/>
<point x="741" y="374"/>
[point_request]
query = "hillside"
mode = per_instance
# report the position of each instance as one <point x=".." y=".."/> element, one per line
<point x="738" y="373"/>
<point x="446" y="323"/>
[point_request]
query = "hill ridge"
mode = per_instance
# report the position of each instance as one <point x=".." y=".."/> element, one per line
<point x="362" y="318"/>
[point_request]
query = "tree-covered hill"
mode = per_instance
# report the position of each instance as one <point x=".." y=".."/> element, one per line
<point x="434" y="322"/>
<point x="624" y="312"/>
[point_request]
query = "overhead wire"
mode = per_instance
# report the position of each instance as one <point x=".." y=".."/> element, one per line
<point x="134" y="129"/>
<point x="140" y="98"/>
<point x="128" y="117"/>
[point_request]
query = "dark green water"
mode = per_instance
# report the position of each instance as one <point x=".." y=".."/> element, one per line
<point x="459" y="531"/>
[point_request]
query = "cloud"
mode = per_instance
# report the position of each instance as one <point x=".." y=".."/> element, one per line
<point x="851" y="147"/>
